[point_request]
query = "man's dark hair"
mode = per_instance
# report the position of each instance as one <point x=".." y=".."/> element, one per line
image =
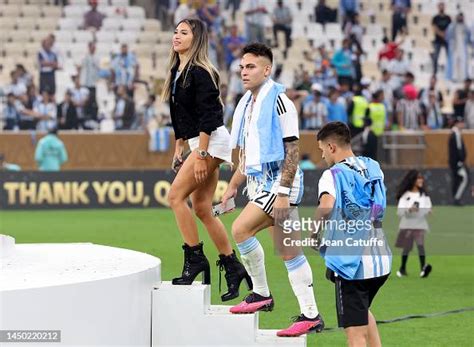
<point x="338" y="131"/>
<point x="259" y="50"/>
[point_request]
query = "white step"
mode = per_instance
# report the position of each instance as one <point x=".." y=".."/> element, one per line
<point x="183" y="316"/>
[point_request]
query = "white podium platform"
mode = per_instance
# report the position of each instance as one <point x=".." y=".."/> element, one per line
<point x="95" y="295"/>
<point x="183" y="316"/>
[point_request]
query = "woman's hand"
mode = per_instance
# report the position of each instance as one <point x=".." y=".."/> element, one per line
<point x="200" y="170"/>
<point x="178" y="156"/>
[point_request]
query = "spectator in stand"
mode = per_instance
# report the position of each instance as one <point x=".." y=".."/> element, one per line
<point x="124" y="68"/>
<point x="235" y="7"/>
<point x="93" y="18"/>
<point x="342" y="61"/>
<point x="16" y="87"/>
<point x="400" y="9"/>
<point x="469" y="110"/>
<point x="336" y="109"/>
<point x="255" y="12"/>
<point x="183" y="11"/>
<point x="345" y="93"/>
<point x="306" y="163"/>
<point x="305" y="83"/>
<point x="124" y="113"/>
<point x="314" y="111"/>
<point x="80" y="98"/>
<point x="50" y="152"/>
<point x="11" y="115"/>
<point x="325" y="14"/>
<point x="325" y="76"/>
<point x="390" y="49"/>
<point x="398" y="68"/>
<point x="209" y="14"/>
<point x="67" y="114"/>
<point x="89" y="75"/>
<point x="147" y="117"/>
<point x="357" y="109"/>
<point x="348" y="9"/>
<point x="409" y="111"/>
<point x="424" y="94"/>
<point x="432" y="112"/>
<point x="46" y="112"/>
<point x="232" y="43"/>
<point x="323" y="58"/>
<point x="27" y="116"/>
<point x="354" y="31"/>
<point x="365" y="83"/>
<point x="440" y="23"/>
<point x="23" y="75"/>
<point x="282" y="20"/>
<point x="48" y="64"/>
<point x="388" y="93"/>
<point x="377" y="113"/>
<point x="460" y="99"/>
<point x="458" y="37"/>
<point x="5" y="166"/>
<point x="369" y="140"/>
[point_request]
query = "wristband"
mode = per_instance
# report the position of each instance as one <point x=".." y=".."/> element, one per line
<point x="284" y="190"/>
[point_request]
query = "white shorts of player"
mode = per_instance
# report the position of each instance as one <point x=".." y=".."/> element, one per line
<point x="219" y="144"/>
<point x="266" y="194"/>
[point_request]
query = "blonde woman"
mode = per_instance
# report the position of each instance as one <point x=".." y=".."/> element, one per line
<point x="191" y="88"/>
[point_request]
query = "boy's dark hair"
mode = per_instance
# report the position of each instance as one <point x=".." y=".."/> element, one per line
<point x="259" y="50"/>
<point x="338" y="131"/>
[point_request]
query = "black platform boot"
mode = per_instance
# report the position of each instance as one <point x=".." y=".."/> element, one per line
<point x="195" y="262"/>
<point x="234" y="274"/>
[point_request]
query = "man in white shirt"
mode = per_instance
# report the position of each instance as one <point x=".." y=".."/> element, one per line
<point x="90" y="68"/>
<point x="80" y="97"/>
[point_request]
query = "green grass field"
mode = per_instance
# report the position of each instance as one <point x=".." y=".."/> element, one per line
<point x="449" y="287"/>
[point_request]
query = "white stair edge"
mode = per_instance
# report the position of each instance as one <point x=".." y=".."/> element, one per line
<point x="269" y="337"/>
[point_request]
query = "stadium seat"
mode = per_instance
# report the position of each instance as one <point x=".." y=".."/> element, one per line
<point x="71" y="11"/>
<point x="51" y="11"/>
<point x="70" y="23"/>
<point x="136" y="12"/>
<point x="105" y="36"/>
<point x="128" y="37"/>
<point x="14" y="49"/>
<point x="132" y="24"/>
<point x="64" y="36"/>
<point x="111" y="24"/>
<point x="7" y="23"/>
<point x="148" y="38"/>
<point x="83" y="36"/>
<point x="152" y="25"/>
<point x="79" y="2"/>
<point x="31" y="49"/>
<point x="165" y="36"/>
<point x="30" y="10"/>
<point x="47" y="23"/>
<point x="39" y="35"/>
<point x="26" y="23"/>
<point x="10" y="10"/>
<point x="19" y="36"/>
<point x="120" y="3"/>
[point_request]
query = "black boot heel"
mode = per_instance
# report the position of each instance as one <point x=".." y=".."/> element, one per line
<point x="195" y="262"/>
<point x="235" y="274"/>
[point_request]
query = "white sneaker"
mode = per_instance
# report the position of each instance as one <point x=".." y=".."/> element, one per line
<point x="401" y="274"/>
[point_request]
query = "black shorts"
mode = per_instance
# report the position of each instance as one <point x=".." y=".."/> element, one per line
<point x="353" y="299"/>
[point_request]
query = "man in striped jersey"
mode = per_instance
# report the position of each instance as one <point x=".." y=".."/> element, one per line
<point x="352" y="194"/>
<point x="265" y="128"/>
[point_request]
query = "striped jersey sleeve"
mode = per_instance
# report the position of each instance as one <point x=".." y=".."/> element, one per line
<point x="288" y="117"/>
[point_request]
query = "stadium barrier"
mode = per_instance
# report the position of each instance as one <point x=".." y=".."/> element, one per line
<point x="126" y="150"/>
<point x="149" y="189"/>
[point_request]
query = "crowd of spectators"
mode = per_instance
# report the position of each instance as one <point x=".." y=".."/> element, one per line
<point x="334" y="89"/>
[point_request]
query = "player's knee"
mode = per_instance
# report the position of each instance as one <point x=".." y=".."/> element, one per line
<point x="239" y="232"/>
<point x="173" y="198"/>
<point x="202" y="211"/>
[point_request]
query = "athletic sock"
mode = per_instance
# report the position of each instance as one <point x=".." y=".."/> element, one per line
<point x="404" y="262"/>
<point x="253" y="258"/>
<point x="301" y="280"/>
<point x="421" y="253"/>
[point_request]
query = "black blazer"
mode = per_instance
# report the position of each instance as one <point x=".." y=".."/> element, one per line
<point x="196" y="106"/>
<point x="456" y="156"/>
<point x="68" y="119"/>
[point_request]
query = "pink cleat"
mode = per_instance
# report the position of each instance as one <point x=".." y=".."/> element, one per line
<point x="253" y="303"/>
<point x="303" y="325"/>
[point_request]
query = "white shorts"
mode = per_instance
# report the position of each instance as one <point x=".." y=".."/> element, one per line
<point x="219" y="144"/>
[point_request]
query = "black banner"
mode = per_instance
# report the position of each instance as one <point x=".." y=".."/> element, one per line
<point x="145" y="189"/>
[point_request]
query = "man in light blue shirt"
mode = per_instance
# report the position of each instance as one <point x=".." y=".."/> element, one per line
<point x="50" y="152"/>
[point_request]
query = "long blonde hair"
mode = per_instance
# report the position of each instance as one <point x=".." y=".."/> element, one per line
<point x="197" y="55"/>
